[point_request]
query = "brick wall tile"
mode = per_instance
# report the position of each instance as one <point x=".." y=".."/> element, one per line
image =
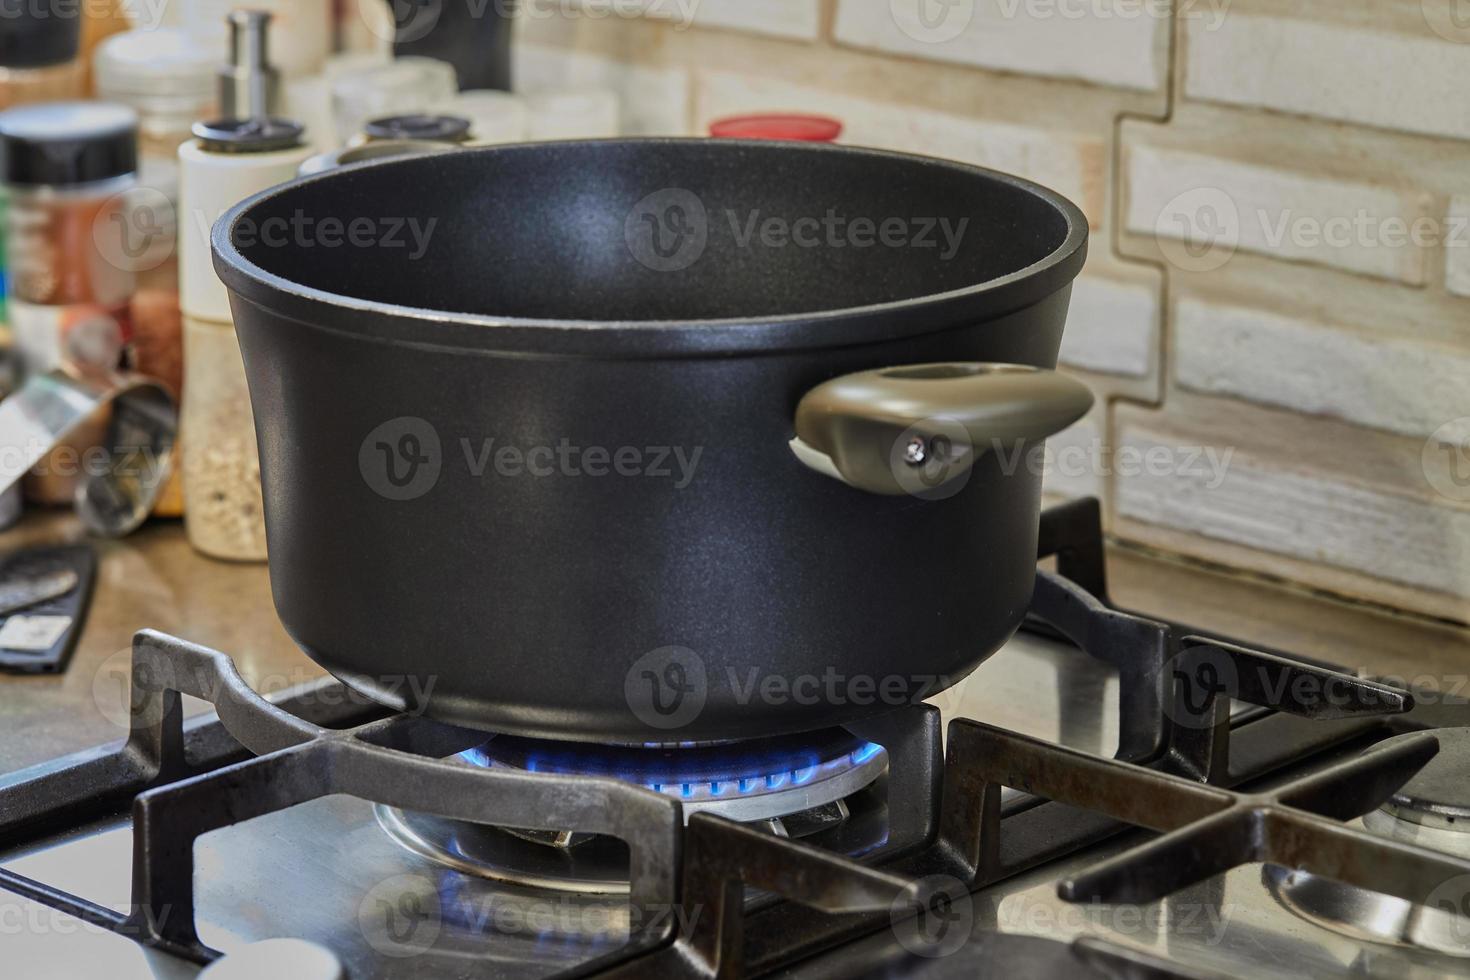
<point x="796" y="19"/>
<point x="1289" y="214"/>
<point x="1395" y="384"/>
<point x="1114" y="44"/>
<point x="1069" y="162"/>
<point x="1294" y="511"/>
<point x="1072" y="469"/>
<point x="1349" y="73"/>
<point x="1113" y="326"/>
<point x="1457" y="260"/>
<point x="655" y="101"/>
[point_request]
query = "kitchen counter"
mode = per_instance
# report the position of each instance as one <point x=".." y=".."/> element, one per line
<point x="153" y="579"/>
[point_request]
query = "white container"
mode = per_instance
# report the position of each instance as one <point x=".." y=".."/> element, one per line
<point x="224" y="513"/>
<point x="309" y="100"/>
<point x="495" y="117"/>
<point x="582" y="114"/>
<point x="168" y="78"/>
<point x="212" y="183"/>
<point x="301" y="30"/>
<point x="401" y="87"/>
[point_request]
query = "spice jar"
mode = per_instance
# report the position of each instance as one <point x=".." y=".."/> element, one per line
<point x="38" y="55"/>
<point x="223" y="511"/>
<point x="67" y="169"/>
<point x="168" y="78"/>
<point x="38" y="63"/>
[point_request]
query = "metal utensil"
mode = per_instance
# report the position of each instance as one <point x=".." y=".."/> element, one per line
<point x="119" y="483"/>
<point x="24" y="593"/>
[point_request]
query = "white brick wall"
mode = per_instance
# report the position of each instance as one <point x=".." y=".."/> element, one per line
<point x="1070" y="163"/>
<point x="797" y="19"/>
<point x="1104" y="42"/>
<point x="1297" y="512"/>
<point x="1457" y="259"/>
<point x="1288" y="214"/>
<point x="1373" y="77"/>
<point x="655" y="101"/>
<point x="1112" y="327"/>
<point x="1387" y="383"/>
<point x="1329" y="128"/>
<point x="1073" y="466"/>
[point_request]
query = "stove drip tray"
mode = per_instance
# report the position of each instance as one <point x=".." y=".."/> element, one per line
<point x="1431" y="810"/>
<point x="803" y="786"/>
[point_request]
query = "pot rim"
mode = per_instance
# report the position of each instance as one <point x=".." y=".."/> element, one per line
<point x="426" y="328"/>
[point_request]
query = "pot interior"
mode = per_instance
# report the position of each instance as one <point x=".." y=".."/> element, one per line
<point x="650" y="230"/>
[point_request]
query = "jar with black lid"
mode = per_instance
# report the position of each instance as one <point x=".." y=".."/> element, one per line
<point x="67" y="168"/>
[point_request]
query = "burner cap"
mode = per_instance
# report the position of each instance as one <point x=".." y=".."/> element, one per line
<point x="294" y="958"/>
<point x="1438" y="795"/>
<point x="745" y="781"/>
<point x="796" y="786"/>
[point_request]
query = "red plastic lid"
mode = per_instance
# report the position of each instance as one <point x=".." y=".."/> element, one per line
<point x="778" y="126"/>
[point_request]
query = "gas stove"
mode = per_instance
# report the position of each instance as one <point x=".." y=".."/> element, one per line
<point x="1116" y="796"/>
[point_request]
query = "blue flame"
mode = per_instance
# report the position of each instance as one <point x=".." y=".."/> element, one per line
<point x="750" y="778"/>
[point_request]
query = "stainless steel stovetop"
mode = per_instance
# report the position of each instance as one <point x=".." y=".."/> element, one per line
<point x="1238" y="885"/>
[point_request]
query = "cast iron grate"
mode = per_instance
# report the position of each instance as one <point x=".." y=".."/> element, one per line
<point x="1179" y="750"/>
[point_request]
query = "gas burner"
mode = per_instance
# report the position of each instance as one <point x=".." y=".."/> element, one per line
<point x="1431" y="810"/>
<point x="794" y="786"/>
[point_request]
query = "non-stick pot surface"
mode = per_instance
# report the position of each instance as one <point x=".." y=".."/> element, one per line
<point x="406" y="322"/>
<point x="667" y="233"/>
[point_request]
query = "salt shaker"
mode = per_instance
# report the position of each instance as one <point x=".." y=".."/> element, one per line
<point x="227" y="162"/>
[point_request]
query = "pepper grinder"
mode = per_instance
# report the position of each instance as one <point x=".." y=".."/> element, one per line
<point x="229" y="160"/>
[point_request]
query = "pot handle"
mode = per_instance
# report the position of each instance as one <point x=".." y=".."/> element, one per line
<point x="914" y="428"/>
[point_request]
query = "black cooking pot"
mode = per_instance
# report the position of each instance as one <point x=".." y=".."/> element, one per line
<point x="653" y="440"/>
